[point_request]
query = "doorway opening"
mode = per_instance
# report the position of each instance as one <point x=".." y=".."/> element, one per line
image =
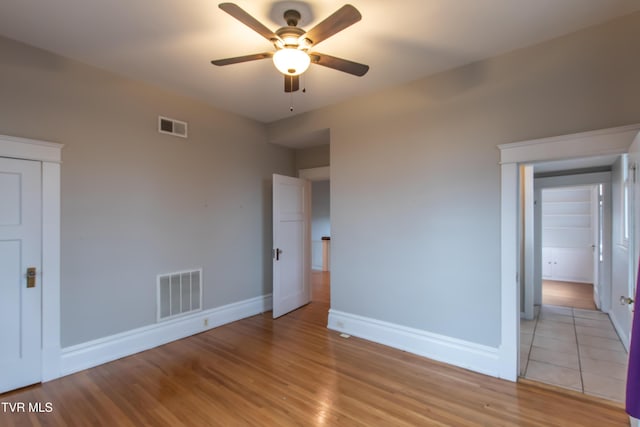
<point x="320" y="243"/>
<point x="571" y="230"/>
<point x="571" y="341"/>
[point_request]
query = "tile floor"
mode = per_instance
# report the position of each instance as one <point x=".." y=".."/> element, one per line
<point x="574" y="348"/>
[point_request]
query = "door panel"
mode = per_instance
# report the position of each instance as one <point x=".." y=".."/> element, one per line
<point x="291" y="243"/>
<point x="9" y="310"/>
<point x="20" y="248"/>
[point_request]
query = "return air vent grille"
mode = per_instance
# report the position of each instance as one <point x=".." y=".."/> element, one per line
<point x="172" y="127"/>
<point x="179" y="293"/>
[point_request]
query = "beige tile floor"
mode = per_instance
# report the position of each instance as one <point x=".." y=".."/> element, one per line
<point x="575" y="349"/>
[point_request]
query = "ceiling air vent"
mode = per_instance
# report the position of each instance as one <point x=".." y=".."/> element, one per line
<point x="172" y="127"/>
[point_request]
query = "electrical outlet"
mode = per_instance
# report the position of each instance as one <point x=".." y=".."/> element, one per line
<point x="206" y="322"/>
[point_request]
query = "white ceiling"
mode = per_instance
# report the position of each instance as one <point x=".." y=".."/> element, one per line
<point x="170" y="42"/>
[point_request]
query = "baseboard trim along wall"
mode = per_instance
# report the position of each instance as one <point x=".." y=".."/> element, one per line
<point x="93" y="353"/>
<point x="624" y="337"/>
<point x="465" y="354"/>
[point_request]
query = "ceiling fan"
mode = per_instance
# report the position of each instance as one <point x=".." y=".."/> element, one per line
<point x="292" y="43"/>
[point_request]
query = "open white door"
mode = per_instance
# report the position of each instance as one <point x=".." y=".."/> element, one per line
<point x="20" y="259"/>
<point x="634" y="219"/>
<point x="528" y="205"/>
<point x="597" y="215"/>
<point x="291" y="244"/>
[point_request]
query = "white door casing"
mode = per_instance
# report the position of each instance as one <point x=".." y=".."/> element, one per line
<point x="20" y="248"/>
<point x="587" y="144"/>
<point x="291" y="243"/>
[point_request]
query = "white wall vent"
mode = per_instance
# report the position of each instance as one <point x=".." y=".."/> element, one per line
<point x="179" y="293"/>
<point x="172" y="127"/>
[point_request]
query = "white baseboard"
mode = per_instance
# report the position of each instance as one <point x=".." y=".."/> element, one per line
<point x="93" y="353"/>
<point x="465" y="354"/>
<point x="624" y="336"/>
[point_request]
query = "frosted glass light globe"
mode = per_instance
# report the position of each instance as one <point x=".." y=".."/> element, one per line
<point x="291" y="61"/>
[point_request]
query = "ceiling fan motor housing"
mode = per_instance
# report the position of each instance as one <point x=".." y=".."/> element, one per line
<point x="289" y="37"/>
<point x="292" y="17"/>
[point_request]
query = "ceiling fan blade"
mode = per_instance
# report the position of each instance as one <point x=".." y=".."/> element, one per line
<point x="238" y="59"/>
<point x="291" y="83"/>
<point x="248" y="20"/>
<point x="339" y="64"/>
<point x="344" y="17"/>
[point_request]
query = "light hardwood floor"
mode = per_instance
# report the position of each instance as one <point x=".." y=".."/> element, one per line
<point x="294" y="371"/>
<point x="568" y="294"/>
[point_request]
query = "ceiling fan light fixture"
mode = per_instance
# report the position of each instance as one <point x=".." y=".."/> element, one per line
<point x="291" y="61"/>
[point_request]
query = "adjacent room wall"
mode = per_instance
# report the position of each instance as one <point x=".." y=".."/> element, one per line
<point x="320" y="220"/>
<point x="567" y="234"/>
<point x="312" y="157"/>
<point x="136" y="203"/>
<point x="415" y="180"/>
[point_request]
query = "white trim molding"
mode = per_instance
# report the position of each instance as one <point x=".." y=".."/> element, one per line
<point x="50" y="156"/>
<point x="624" y="335"/>
<point x="602" y="142"/>
<point x="465" y="354"/>
<point x="585" y="144"/>
<point x="96" y="352"/>
<point x="30" y="149"/>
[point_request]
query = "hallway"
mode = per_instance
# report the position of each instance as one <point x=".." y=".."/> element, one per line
<point x="568" y="294"/>
<point x="576" y="349"/>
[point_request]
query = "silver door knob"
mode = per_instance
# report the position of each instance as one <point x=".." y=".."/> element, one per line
<point x="626" y="300"/>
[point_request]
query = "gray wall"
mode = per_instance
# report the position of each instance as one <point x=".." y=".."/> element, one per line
<point x="136" y="203"/>
<point x="312" y="157"/>
<point x="415" y="180"/>
<point x="320" y="206"/>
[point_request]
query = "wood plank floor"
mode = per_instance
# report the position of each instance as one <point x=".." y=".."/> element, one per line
<point x="293" y="371"/>
<point x="568" y="294"/>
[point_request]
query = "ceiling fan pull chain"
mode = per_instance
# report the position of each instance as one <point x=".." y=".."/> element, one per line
<point x="291" y="96"/>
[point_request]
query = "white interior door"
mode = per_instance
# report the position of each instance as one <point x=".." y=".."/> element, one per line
<point x="291" y="243"/>
<point x="597" y="210"/>
<point x="634" y="229"/>
<point x="20" y="297"/>
<point x="527" y="217"/>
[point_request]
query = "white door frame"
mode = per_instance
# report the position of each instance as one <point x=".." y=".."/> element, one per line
<point x="586" y="144"/>
<point x="50" y="156"/>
